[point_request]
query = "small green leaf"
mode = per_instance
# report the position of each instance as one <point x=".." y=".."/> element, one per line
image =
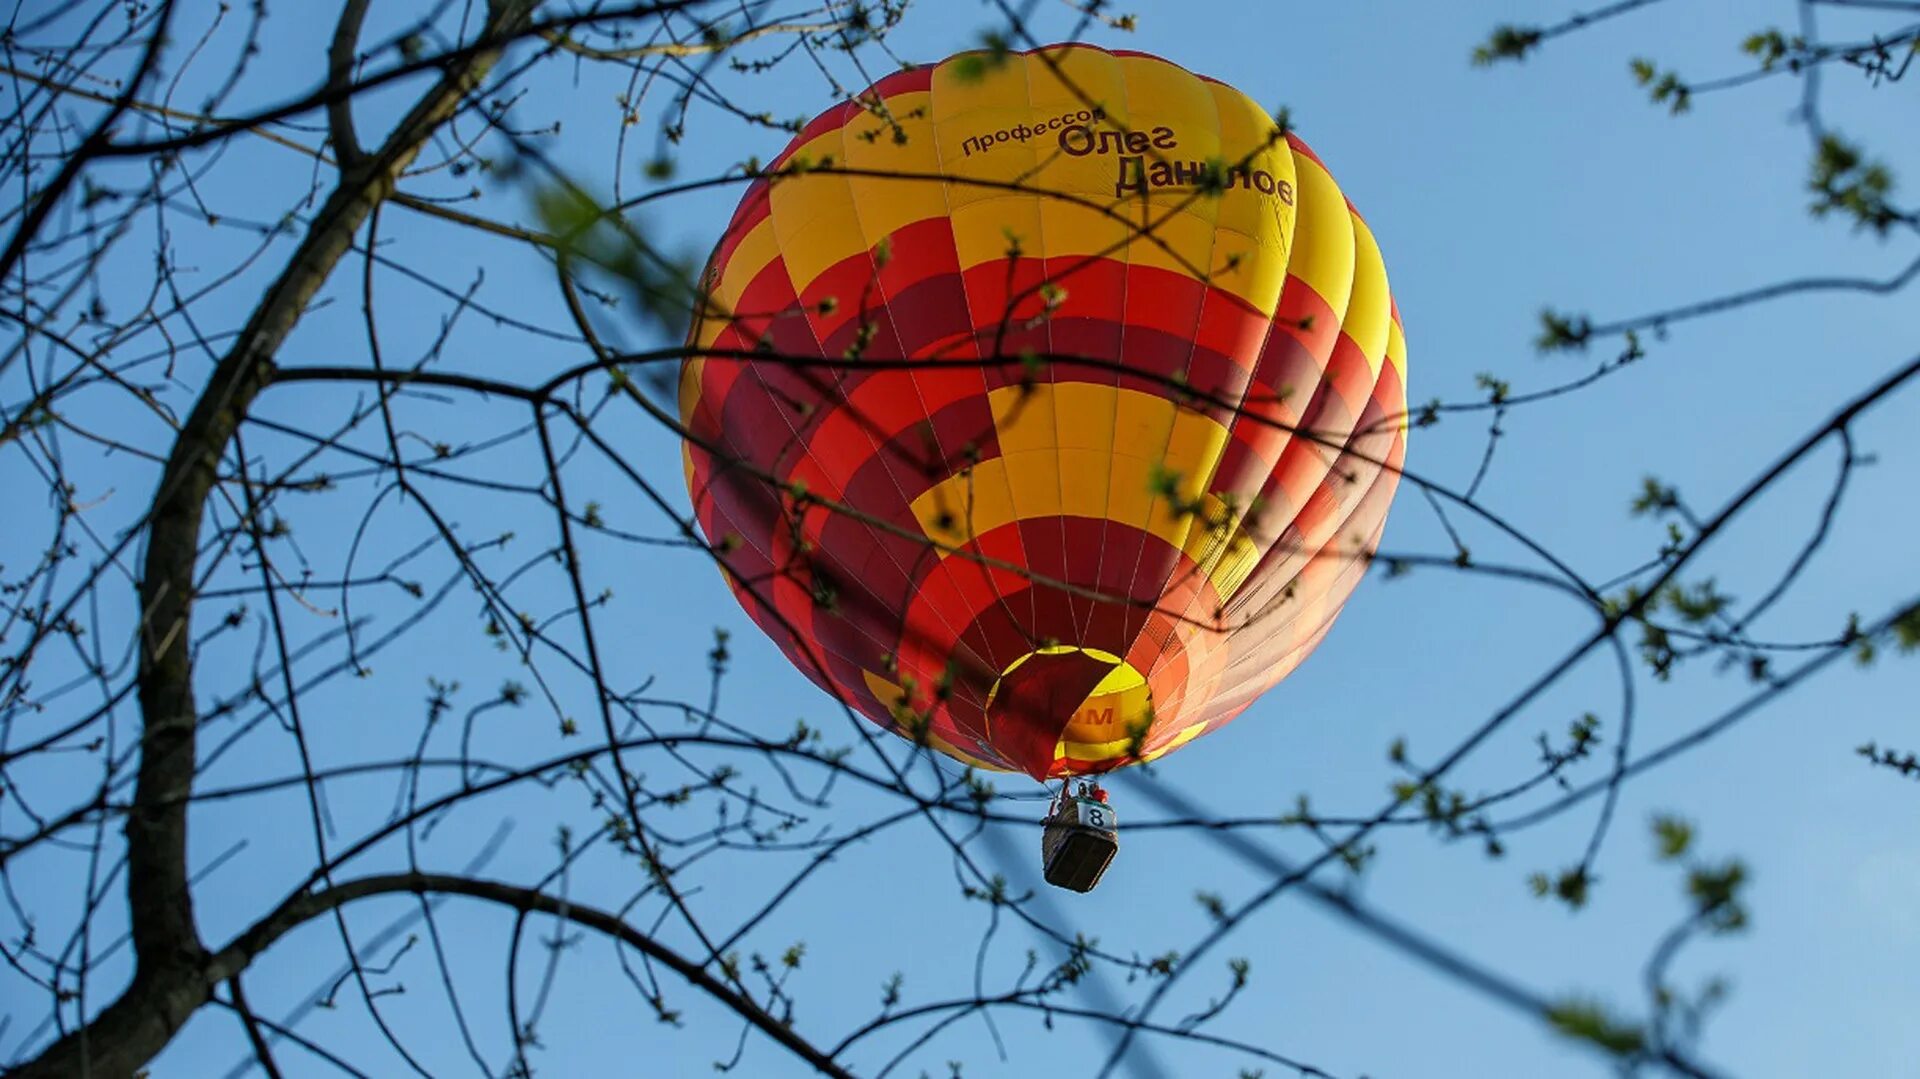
<point x="1507" y="42"/>
<point x="1672" y="836"/>
<point x="1588" y="1021"/>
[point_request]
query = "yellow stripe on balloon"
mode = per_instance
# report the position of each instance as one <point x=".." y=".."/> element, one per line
<point x="1323" y="243"/>
<point x="890" y="694"/>
<point x="1245" y="128"/>
<point x="815" y="222"/>
<point x="1397" y="352"/>
<point x="1370" y="314"/>
<point x="755" y="252"/>
<point x="1064" y="451"/>
<point x="1187" y="734"/>
<point x="690" y="375"/>
<point x="1221" y="546"/>
<point x="885" y="205"/>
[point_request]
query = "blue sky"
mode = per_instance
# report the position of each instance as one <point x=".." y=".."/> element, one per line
<point x="1494" y="193"/>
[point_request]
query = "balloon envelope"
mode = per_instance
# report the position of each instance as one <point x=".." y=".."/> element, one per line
<point x="1047" y="407"/>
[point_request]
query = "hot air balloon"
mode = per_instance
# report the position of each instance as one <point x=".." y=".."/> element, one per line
<point x="1045" y="407"/>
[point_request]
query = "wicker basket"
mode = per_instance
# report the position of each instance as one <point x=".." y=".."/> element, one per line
<point x="1078" y="843"/>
